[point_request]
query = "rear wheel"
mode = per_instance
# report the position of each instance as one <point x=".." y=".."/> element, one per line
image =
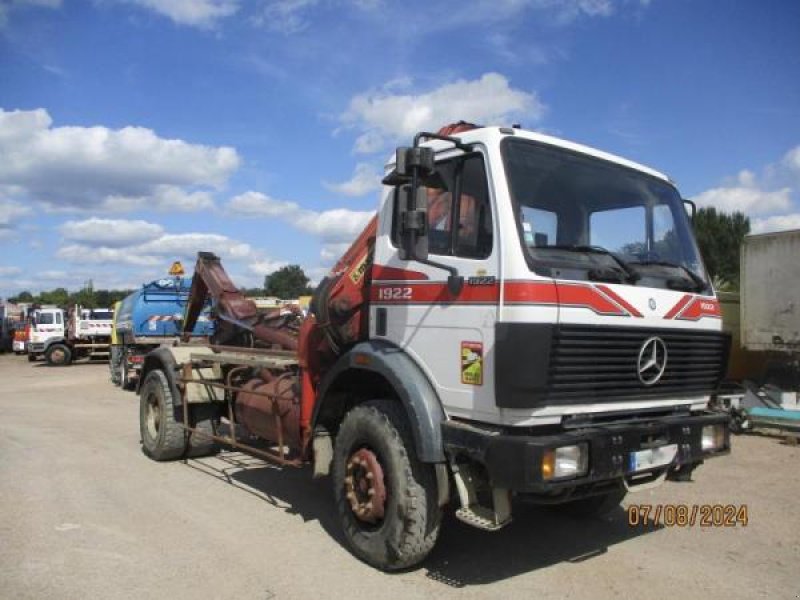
<point x="58" y="355"/>
<point x="594" y="506"/>
<point x="163" y="437"/>
<point x="386" y="497"/>
<point x="205" y="418"/>
<point x="125" y="372"/>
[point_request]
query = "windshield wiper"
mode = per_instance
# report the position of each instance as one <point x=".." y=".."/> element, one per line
<point x="631" y="275"/>
<point x="699" y="283"/>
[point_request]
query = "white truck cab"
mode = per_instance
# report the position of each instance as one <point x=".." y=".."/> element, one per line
<point x="47" y="323"/>
<point x="584" y="290"/>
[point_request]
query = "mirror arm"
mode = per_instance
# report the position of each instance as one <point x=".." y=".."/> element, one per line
<point x="693" y="206"/>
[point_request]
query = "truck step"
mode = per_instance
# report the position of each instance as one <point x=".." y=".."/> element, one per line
<point x="480" y="517"/>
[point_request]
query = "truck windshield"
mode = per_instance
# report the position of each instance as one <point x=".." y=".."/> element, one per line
<point x="44" y="319"/>
<point x="585" y="218"/>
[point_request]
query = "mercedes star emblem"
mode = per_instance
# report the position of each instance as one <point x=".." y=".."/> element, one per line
<point x="652" y="304"/>
<point x="652" y="360"/>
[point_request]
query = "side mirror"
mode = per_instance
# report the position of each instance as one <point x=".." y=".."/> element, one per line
<point x="692" y="208"/>
<point x="412" y="212"/>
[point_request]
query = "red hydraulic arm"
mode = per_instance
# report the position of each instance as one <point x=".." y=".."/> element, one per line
<point x="210" y="279"/>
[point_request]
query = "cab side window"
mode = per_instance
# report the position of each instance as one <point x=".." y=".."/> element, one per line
<point x="459" y="194"/>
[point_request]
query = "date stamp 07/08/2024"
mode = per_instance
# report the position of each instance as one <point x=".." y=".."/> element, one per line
<point x="687" y="515"/>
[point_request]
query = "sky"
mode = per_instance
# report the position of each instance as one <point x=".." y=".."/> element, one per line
<point x="137" y="132"/>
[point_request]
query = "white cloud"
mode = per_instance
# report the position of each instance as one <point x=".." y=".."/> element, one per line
<point x="10" y="211"/>
<point x="767" y="196"/>
<point x="9" y="271"/>
<point x="368" y="143"/>
<point x="332" y="252"/>
<point x="112" y="233"/>
<point x="335" y="225"/>
<point x="489" y="100"/>
<point x="164" y="198"/>
<point x="285" y="16"/>
<point x="746" y="195"/>
<point x="776" y="223"/>
<point x="194" y="13"/>
<point x="187" y="245"/>
<point x="80" y="254"/>
<point x="90" y="167"/>
<point x="264" y="267"/>
<point x="365" y="179"/>
<point x="791" y="160"/>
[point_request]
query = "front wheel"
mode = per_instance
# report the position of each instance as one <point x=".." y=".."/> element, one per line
<point x="31" y="358"/>
<point x="58" y="355"/>
<point x="386" y="497"/>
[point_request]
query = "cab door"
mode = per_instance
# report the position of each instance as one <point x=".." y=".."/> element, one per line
<point x="448" y="332"/>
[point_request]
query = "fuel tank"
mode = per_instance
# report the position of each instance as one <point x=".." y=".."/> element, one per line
<point x="269" y="407"/>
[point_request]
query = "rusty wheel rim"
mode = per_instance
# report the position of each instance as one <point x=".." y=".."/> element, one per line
<point x="365" y="487"/>
<point x="152" y="416"/>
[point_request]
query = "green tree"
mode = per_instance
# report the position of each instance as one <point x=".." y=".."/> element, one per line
<point x="287" y="282"/>
<point x="720" y="236"/>
<point x="57" y="297"/>
<point x="25" y="296"/>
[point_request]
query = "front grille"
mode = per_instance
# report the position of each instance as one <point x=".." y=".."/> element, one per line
<point x="600" y="363"/>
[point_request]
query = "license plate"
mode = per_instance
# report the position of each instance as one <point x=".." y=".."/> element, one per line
<point x="652" y="458"/>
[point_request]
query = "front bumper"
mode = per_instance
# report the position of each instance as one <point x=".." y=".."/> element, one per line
<point x="36" y="347"/>
<point x="514" y="460"/>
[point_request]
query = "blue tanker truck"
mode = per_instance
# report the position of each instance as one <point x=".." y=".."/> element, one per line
<point x="146" y="319"/>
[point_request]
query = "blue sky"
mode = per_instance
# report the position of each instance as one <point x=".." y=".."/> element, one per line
<point x="136" y="132"/>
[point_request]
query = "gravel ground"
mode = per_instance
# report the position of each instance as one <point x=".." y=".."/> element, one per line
<point x="86" y="515"/>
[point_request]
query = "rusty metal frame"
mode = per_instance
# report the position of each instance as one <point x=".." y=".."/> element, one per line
<point x="187" y="378"/>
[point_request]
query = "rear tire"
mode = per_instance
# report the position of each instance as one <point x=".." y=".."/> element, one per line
<point x="58" y="355"/>
<point x="125" y="373"/>
<point x="163" y="437"/>
<point x="205" y="419"/>
<point x="410" y="517"/>
<point x="594" y="506"/>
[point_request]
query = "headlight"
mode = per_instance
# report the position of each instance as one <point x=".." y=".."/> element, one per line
<point x="713" y="437"/>
<point x="566" y="461"/>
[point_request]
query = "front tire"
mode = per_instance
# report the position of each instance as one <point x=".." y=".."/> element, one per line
<point x="386" y="497"/>
<point x="31" y="358"/>
<point x="163" y="437"/>
<point x="58" y="355"/>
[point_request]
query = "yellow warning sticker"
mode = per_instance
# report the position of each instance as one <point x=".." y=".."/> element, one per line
<point x="361" y="267"/>
<point x="472" y="363"/>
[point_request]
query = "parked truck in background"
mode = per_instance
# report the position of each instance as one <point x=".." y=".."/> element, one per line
<point x="64" y="337"/>
<point x="524" y="317"/>
<point x="146" y="319"/>
<point x="769" y="324"/>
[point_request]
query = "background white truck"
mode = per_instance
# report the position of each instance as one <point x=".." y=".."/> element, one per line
<point x="60" y="338"/>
